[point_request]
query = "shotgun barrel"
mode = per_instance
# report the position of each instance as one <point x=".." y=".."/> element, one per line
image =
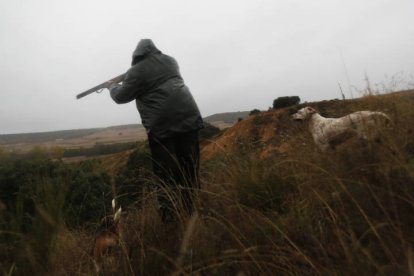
<point x="117" y="79"/>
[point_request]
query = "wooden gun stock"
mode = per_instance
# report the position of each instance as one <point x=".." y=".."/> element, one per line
<point x="117" y="79"/>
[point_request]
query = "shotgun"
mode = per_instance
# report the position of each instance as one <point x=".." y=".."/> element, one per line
<point x="117" y="79"/>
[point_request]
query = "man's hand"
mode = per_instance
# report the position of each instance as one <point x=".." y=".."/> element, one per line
<point x="110" y="84"/>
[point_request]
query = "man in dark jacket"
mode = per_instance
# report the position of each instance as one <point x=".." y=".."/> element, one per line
<point x="172" y="120"/>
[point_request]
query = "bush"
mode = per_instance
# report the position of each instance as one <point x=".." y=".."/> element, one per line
<point x="38" y="199"/>
<point x="89" y="194"/>
<point x="99" y="149"/>
<point x="85" y="189"/>
<point x="282" y="102"/>
<point x="254" y="111"/>
<point x="134" y="179"/>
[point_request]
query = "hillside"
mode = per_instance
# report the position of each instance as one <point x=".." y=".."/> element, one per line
<point x="270" y="203"/>
<point x="269" y="132"/>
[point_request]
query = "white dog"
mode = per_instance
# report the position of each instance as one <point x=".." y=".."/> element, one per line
<point x="328" y="132"/>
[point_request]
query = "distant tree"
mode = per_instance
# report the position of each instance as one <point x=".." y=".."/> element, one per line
<point x="239" y="119"/>
<point x="254" y="111"/>
<point x="286" y="101"/>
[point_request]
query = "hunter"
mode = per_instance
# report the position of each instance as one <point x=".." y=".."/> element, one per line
<point x="172" y="121"/>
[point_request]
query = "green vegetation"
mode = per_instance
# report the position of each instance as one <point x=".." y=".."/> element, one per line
<point x="300" y="212"/>
<point x="286" y="101"/>
<point x="46" y="136"/>
<point x="38" y="199"/>
<point x="254" y="112"/>
<point x="99" y="149"/>
<point x="57" y="153"/>
<point x="135" y="177"/>
<point x="84" y="187"/>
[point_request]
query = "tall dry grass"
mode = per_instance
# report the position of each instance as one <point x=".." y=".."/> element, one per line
<point x="345" y="212"/>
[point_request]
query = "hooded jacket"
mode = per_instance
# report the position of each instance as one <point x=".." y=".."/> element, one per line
<point x="163" y="100"/>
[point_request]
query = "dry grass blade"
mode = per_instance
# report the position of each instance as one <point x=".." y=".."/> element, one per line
<point x="185" y="244"/>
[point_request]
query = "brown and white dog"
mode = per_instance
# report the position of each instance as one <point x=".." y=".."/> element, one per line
<point x="107" y="236"/>
<point x="328" y="132"/>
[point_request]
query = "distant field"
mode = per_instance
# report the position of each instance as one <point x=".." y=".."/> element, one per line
<point x="75" y="139"/>
<point x="86" y="138"/>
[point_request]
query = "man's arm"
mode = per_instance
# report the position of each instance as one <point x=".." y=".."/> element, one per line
<point x="128" y="90"/>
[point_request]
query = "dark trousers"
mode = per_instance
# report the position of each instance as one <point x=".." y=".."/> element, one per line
<point x="176" y="163"/>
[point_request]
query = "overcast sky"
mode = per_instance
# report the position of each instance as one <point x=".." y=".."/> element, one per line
<point x="235" y="55"/>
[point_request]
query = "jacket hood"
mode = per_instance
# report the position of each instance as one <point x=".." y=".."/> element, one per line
<point x="144" y="48"/>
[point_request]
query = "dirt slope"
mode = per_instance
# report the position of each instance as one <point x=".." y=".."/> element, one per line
<point x="262" y="133"/>
<point x="269" y="133"/>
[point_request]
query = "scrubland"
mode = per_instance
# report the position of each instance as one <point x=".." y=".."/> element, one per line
<point x="299" y="211"/>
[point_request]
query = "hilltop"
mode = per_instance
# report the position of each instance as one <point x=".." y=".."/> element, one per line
<point x="226" y="119"/>
<point x="269" y="132"/>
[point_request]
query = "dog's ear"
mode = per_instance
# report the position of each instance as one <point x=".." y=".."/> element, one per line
<point x="117" y="215"/>
<point x="311" y="110"/>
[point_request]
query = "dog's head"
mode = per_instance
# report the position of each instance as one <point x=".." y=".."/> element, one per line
<point x="303" y="113"/>
<point x="110" y="222"/>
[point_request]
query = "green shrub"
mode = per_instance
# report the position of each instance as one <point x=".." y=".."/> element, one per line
<point x="286" y="101"/>
<point x="254" y="112"/>
<point x="99" y="149"/>
<point x="87" y="193"/>
<point x="136" y="177"/>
